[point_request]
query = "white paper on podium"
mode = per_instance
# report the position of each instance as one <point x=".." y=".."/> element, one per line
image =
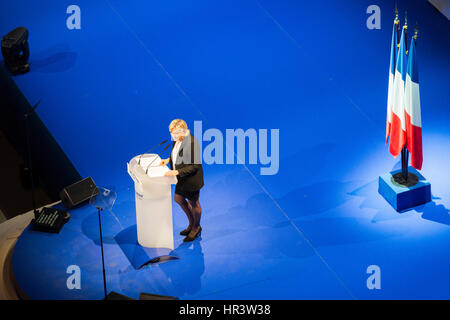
<point x="153" y="201"/>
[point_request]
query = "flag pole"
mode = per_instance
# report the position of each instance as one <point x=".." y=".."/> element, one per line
<point x="406" y="31"/>
<point x="416" y="32"/>
<point x="405" y="154"/>
<point x="396" y="21"/>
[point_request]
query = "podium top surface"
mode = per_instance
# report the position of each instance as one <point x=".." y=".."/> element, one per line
<point x="146" y="167"/>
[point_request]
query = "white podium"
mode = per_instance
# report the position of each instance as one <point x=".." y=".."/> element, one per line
<point x="153" y="201"/>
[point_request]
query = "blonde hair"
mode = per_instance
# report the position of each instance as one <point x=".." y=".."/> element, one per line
<point x="177" y="124"/>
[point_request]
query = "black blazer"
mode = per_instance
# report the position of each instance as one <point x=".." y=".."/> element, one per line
<point x="190" y="176"/>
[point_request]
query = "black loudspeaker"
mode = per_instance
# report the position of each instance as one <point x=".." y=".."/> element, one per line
<point x="16" y="51"/>
<point x="78" y="192"/>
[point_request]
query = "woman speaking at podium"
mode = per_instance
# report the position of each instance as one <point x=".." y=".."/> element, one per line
<point x="185" y="160"/>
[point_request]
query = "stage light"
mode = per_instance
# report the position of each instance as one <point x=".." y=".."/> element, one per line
<point x="15" y="50"/>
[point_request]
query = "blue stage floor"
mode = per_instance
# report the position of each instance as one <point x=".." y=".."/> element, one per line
<point x="314" y="72"/>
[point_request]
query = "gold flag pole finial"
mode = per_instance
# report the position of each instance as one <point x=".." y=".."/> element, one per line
<point x="406" y="20"/>
<point x="396" y="14"/>
<point x="396" y="23"/>
<point x="405" y="27"/>
<point x="416" y="33"/>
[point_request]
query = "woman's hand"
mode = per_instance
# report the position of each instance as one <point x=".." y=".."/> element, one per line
<point x="164" y="162"/>
<point x="171" y="173"/>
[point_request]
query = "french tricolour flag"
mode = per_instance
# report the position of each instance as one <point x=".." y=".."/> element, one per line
<point x="398" y="126"/>
<point x="413" y="119"/>
<point x="394" y="53"/>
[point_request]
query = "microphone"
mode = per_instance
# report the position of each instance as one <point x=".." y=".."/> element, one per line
<point x="156" y="158"/>
<point x="149" y="150"/>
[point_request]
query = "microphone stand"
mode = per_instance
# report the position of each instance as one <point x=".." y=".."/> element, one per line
<point x="156" y="158"/>
<point x="29" y="156"/>
<point x="151" y="149"/>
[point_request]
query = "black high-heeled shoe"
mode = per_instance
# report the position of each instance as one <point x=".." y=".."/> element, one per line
<point x="186" y="231"/>
<point x="194" y="236"/>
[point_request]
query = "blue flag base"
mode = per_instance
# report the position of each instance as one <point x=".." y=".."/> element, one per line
<point x="404" y="197"/>
<point x="138" y="255"/>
